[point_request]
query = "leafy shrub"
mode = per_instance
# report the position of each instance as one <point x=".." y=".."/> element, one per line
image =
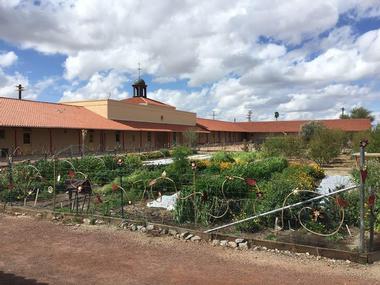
<point x="222" y="156"/>
<point x="288" y="146"/>
<point x="245" y="157"/>
<point x="203" y="164"/>
<point x="373" y="137"/>
<point x="325" y="145"/>
<point x="165" y="152"/>
<point x="260" y="170"/>
<point x="310" y="129"/>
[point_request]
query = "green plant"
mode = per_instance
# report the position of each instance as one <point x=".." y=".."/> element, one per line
<point x="288" y="146"/>
<point x="361" y="113"/>
<point x="222" y="156"/>
<point x="190" y="138"/>
<point x="309" y="129"/>
<point x="325" y="145"/>
<point x="245" y="157"/>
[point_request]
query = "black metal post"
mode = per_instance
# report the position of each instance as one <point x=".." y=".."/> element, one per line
<point x="76" y="201"/>
<point x="10" y="169"/>
<point x="372" y="219"/>
<point x="120" y="165"/>
<point x="54" y="184"/>
<point x="361" y="199"/>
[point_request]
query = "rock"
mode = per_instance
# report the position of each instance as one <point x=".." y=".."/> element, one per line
<point x="232" y="244"/>
<point x="17" y="214"/>
<point x="178" y="236"/>
<point x="307" y="253"/>
<point x="256" y="248"/>
<point x="143" y="229"/>
<point x="164" y="232"/>
<point x="139" y="228"/>
<point x="215" y="242"/>
<point x="99" y="222"/>
<point x="86" y="221"/>
<point x="195" y="238"/>
<point x="183" y="235"/>
<point x="243" y="245"/>
<point x="38" y="215"/>
<point x="189" y="236"/>
<point x="150" y="227"/>
<point x="264" y="248"/>
<point x="172" y="232"/>
<point x="348" y="261"/>
<point x="318" y="257"/>
<point x="224" y="243"/>
<point x="133" y="227"/>
<point x="239" y="240"/>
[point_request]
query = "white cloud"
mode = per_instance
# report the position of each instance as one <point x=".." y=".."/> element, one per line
<point x="7" y="59"/>
<point x="100" y="86"/>
<point x="261" y="55"/>
<point x="173" y="39"/>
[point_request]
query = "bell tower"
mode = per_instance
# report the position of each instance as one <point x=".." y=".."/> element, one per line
<point x="139" y="86"/>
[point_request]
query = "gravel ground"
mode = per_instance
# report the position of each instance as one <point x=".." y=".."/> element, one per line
<point x="34" y="251"/>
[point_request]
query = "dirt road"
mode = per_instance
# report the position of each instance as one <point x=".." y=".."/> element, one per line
<point x="41" y="252"/>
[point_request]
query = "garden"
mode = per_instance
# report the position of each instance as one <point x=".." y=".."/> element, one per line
<point x="201" y="194"/>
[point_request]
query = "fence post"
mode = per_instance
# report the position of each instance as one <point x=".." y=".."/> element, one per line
<point x="54" y="183"/>
<point x="10" y="187"/>
<point x="363" y="173"/>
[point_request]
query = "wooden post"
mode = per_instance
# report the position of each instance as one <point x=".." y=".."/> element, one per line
<point x="123" y="133"/>
<point x="15" y="153"/>
<point x="50" y="142"/>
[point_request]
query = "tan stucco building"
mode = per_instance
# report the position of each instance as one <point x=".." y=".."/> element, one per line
<point x="132" y="124"/>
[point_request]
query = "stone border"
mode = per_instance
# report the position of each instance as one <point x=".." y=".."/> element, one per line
<point x="217" y="239"/>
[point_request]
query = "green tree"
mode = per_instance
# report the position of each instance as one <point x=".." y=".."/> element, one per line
<point x="361" y="113"/>
<point x="190" y="138"/>
<point x="309" y="129"/>
<point x="344" y="116"/>
<point x="325" y="145"/>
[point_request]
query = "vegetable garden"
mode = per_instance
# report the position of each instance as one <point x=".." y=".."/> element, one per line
<point x="228" y="187"/>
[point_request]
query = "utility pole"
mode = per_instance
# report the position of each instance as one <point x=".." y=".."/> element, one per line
<point x="342" y="111"/>
<point x="20" y="88"/>
<point x="249" y="116"/>
<point x="213" y="115"/>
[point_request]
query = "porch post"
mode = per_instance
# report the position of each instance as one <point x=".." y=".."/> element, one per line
<point x="50" y="142"/>
<point x="123" y="133"/>
<point x="15" y="152"/>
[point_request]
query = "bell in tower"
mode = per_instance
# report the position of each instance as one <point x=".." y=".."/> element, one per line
<point x="139" y="87"/>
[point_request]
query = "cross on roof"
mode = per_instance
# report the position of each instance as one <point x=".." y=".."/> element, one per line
<point x="139" y="69"/>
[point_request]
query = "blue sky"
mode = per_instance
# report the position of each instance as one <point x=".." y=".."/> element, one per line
<point x="303" y="59"/>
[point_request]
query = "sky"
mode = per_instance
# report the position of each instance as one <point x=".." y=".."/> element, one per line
<point x="304" y="59"/>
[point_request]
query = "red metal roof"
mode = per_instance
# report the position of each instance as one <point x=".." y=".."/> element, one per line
<point x="220" y="126"/>
<point x="353" y="125"/>
<point x="32" y="114"/>
<point x="145" y="101"/>
<point x="157" y="127"/>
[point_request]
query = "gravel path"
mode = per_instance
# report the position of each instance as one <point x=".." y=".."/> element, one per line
<point x="41" y="252"/>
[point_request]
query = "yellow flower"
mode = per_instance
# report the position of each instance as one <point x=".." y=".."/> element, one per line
<point x="225" y="165"/>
